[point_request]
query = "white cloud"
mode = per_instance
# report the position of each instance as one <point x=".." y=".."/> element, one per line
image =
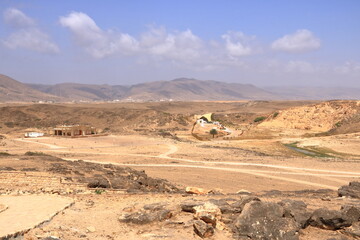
<point x="27" y="35"/>
<point x="16" y="18"/>
<point x="157" y="42"/>
<point x="94" y="40"/>
<point x="31" y="39"/>
<point x="237" y="44"/>
<point x="183" y="46"/>
<point x="301" y="41"/>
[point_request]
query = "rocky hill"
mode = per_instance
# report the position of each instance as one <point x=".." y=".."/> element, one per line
<point x="320" y="117"/>
<point x="192" y="89"/>
<point x="14" y="91"/>
<point x="86" y="92"/>
<point x="181" y="89"/>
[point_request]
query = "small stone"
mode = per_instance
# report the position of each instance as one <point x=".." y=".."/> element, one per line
<point x="327" y="198"/>
<point x="195" y="190"/>
<point x="90" y="229"/>
<point x="243" y="192"/>
<point x="51" y="238"/>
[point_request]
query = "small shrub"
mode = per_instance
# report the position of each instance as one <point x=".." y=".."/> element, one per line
<point x="275" y="114"/>
<point x="99" y="191"/>
<point x="259" y="119"/>
<point x="5" y="154"/>
<point x="9" y="124"/>
<point x="338" y="124"/>
<point x="36" y="154"/>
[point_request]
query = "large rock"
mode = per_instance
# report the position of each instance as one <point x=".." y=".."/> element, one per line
<point x="223" y="205"/>
<point x="150" y="213"/>
<point x="351" y="213"/>
<point x="296" y="210"/>
<point x="98" y="183"/>
<point x="209" y="213"/>
<point x="328" y="219"/>
<point x="263" y="220"/>
<point x="203" y="229"/>
<point x="352" y="190"/>
<point x="239" y="205"/>
<point x="189" y="205"/>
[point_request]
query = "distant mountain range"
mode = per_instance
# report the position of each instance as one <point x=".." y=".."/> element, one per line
<point x="14" y="91"/>
<point x="181" y="89"/>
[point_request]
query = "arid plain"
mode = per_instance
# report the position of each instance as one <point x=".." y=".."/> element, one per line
<point x="295" y="149"/>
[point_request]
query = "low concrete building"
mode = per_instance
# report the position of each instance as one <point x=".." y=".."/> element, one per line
<point x="33" y="134"/>
<point x="74" y="130"/>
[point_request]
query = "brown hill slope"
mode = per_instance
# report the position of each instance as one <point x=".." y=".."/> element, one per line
<point x="192" y="89"/>
<point x="181" y="89"/>
<point x="318" y="117"/>
<point x="14" y="91"/>
<point x="86" y="92"/>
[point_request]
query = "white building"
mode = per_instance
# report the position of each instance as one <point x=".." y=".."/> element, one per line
<point x="33" y="134"/>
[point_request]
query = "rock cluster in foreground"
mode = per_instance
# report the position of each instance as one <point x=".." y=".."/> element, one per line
<point x="252" y="218"/>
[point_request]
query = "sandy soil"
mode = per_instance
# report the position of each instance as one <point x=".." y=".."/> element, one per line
<point x="258" y="163"/>
<point x="229" y="165"/>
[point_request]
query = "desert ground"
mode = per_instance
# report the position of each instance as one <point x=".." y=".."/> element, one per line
<point x="300" y="150"/>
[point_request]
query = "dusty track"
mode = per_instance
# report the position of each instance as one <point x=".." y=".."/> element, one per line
<point x="221" y="166"/>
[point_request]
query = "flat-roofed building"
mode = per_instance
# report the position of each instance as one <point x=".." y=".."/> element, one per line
<point x="74" y="130"/>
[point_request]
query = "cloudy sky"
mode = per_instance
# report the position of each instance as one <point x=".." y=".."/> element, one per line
<point x="266" y="43"/>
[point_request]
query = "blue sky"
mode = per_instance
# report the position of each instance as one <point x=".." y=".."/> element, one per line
<point x="308" y="43"/>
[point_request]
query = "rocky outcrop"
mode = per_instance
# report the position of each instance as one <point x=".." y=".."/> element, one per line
<point x="263" y="220"/>
<point x="150" y="213"/>
<point x="296" y="210"/>
<point x="328" y="219"/>
<point x="351" y="190"/>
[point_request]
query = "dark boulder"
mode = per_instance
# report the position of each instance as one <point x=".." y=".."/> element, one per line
<point x="352" y="190"/>
<point x="98" y="183"/>
<point x="296" y="210"/>
<point x="328" y="219"/>
<point x="239" y="205"/>
<point x="264" y="220"/>
<point x="223" y="205"/>
<point x="189" y="205"/>
<point x="351" y="213"/>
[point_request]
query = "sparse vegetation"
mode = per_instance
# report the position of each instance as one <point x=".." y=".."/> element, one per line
<point x="29" y="153"/>
<point x="5" y="154"/>
<point x="9" y="124"/>
<point x="312" y="152"/>
<point x="213" y="132"/>
<point x="275" y="114"/>
<point x="338" y="124"/>
<point x="99" y="191"/>
<point x="259" y="119"/>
